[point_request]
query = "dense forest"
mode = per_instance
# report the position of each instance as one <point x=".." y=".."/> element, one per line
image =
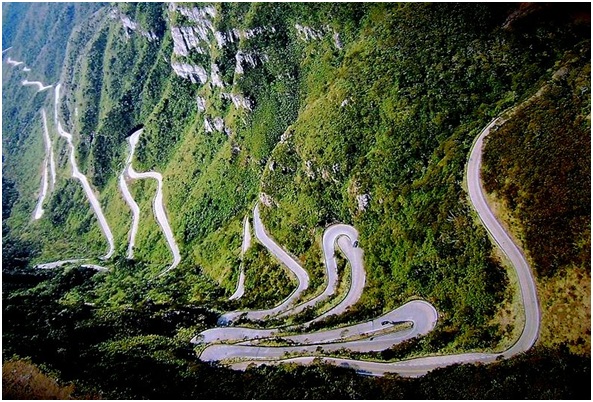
<point x="356" y="113"/>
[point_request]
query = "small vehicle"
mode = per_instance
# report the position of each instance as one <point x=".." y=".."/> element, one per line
<point x="355" y="244"/>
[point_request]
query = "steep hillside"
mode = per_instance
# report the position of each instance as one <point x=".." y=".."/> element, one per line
<point x="548" y="200"/>
<point x="166" y="124"/>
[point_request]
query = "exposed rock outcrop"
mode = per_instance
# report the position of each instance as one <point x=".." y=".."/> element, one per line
<point x="250" y="59"/>
<point x="363" y="201"/>
<point x="309" y="170"/>
<point x="208" y="126"/>
<point x="239" y="101"/>
<point x="186" y="39"/>
<point x="201" y="104"/>
<point x="266" y="199"/>
<point x="194" y="14"/>
<point x="222" y="38"/>
<point x="132" y="26"/>
<point x="307" y="34"/>
<point x="215" y="76"/>
<point x="286" y="135"/>
<point x="337" y="42"/>
<point x="216" y="124"/>
<point x="192" y="72"/>
<point x="196" y="37"/>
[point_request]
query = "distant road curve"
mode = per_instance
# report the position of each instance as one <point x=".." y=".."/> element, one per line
<point x="14" y="62"/>
<point x="50" y="149"/>
<point x="83" y="180"/>
<point x="39" y="84"/>
<point x="345" y="236"/>
<point x="56" y="264"/>
<point x="95" y="267"/>
<point x="158" y="203"/>
<point x="49" y="160"/>
<point x="123" y="186"/>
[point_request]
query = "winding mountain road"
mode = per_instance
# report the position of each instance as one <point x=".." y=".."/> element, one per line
<point x="422" y="314"/>
<point x="374" y="335"/>
<point x="14" y="62"/>
<point x="501" y="237"/>
<point x="49" y="157"/>
<point x="158" y="204"/>
<point x="83" y="180"/>
<point x="301" y="276"/>
<point x="49" y="149"/>
<point x="39" y="84"/>
<point x="49" y="160"/>
<point x="56" y="264"/>
<point x="123" y="186"/>
<point x="345" y="236"/>
<point x="309" y="346"/>
<point x="95" y="267"/>
<point x="43" y="193"/>
<point x="249" y="353"/>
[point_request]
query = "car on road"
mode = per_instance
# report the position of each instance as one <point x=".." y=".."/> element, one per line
<point x="355" y="244"/>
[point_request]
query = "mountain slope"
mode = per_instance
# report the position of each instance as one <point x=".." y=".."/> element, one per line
<point x="322" y="113"/>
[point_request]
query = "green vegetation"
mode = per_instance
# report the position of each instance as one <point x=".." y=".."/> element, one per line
<point x="94" y="344"/>
<point x="382" y="114"/>
<point x="402" y="137"/>
<point x="546" y="149"/>
<point x="550" y="194"/>
<point x="267" y="283"/>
